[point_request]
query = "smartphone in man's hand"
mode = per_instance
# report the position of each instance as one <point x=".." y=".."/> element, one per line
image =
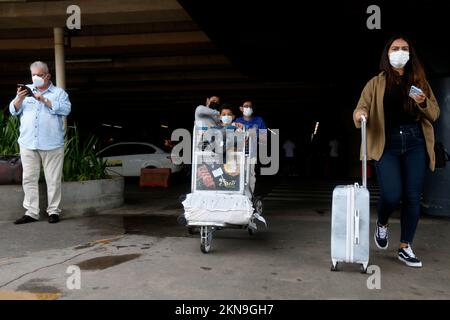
<point x="24" y="87"/>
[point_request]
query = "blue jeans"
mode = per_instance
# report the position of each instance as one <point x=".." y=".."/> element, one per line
<point x="401" y="176"/>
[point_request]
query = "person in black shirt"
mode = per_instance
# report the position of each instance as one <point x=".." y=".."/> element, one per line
<point x="401" y="158"/>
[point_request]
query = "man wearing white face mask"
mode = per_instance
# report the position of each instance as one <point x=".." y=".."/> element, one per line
<point x="208" y="115"/>
<point x="41" y="140"/>
<point x="248" y="119"/>
<point x="250" y="122"/>
<point x="400" y="140"/>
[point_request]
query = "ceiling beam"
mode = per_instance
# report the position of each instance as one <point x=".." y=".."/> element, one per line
<point x="138" y="63"/>
<point x="163" y="38"/>
<point x="124" y="78"/>
<point x="25" y="56"/>
<point x="98" y="30"/>
<point x="204" y="86"/>
<point x="49" y="14"/>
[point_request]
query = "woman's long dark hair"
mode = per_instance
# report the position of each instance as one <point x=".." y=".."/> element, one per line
<point x="414" y="72"/>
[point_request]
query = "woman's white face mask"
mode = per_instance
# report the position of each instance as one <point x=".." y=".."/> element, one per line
<point x="399" y="58"/>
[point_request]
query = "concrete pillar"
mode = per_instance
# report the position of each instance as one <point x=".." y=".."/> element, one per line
<point x="60" y="71"/>
<point x="60" y="62"/>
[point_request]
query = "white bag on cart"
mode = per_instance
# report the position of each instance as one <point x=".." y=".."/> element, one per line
<point x="220" y="196"/>
<point x="217" y="209"/>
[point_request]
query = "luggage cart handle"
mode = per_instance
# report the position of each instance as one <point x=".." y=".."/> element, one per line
<point x="364" y="150"/>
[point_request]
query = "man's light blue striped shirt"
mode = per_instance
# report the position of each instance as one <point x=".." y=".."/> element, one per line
<point x="42" y="128"/>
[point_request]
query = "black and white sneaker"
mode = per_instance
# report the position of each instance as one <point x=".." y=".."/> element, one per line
<point x="409" y="258"/>
<point x="381" y="237"/>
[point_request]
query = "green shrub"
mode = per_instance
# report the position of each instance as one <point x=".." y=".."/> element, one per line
<point x="9" y="133"/>
<point x="80" y="160"/>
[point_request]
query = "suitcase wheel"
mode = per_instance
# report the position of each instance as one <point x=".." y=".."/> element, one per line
<point x="363" y="268"/>
<point x="334" y="267"/>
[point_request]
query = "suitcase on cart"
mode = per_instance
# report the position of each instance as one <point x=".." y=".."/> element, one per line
<point x="350" y="219"/>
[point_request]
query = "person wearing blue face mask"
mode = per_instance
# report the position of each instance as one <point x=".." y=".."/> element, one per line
<point x="41" y="140"/>
<point x="227" y="117"/>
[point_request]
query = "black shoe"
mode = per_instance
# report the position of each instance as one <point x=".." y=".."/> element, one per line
<point x="25" y="219"/>
<point x="381" y="237"/>
<point x="53" y="218"/>
<point x="409" y="258"/>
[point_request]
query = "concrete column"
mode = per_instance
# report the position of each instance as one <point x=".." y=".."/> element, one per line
<point x="60" y="62"/>
<point x="60" y="71"/>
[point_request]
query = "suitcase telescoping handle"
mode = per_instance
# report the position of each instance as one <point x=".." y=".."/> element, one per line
<point x="364" y="149"/>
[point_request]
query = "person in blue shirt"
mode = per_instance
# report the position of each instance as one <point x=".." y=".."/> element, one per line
<point x="41" y="140"/>
<point x="249" y="121"/>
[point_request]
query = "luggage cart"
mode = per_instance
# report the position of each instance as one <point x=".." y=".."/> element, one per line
<point x="220" y="193"/>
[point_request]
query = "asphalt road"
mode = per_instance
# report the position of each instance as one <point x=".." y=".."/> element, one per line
<point x="140" y="252"/>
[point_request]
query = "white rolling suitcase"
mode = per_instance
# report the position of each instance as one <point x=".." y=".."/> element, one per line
<point x="350" y="222"/>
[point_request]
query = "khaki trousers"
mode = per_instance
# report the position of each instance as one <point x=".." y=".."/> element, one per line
<point x="52" y="162"/>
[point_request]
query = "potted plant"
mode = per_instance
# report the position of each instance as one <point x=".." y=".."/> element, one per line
<point x="10" y="164"/>
<point x="86" y="187"/>
<point x="80" y="159"/>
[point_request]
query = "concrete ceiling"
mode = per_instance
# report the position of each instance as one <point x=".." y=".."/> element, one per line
<point x="292" y="40"/>
<point x="148" y="60"/>
<point x="141" y="49"/>
<point x="123" y="46"/>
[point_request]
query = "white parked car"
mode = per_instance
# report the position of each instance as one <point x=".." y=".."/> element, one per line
<point x="128" y="158"/>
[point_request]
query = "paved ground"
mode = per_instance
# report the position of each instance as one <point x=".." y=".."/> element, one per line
<point x="140" y="252"/>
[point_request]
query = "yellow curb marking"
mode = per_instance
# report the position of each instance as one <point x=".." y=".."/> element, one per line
<point x="19" y="295"/>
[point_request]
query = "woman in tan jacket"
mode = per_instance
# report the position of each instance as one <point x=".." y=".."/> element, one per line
<point x="400" y="139"/>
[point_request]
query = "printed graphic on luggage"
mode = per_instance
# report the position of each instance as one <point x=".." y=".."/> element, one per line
<point x="350" y="219"/>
